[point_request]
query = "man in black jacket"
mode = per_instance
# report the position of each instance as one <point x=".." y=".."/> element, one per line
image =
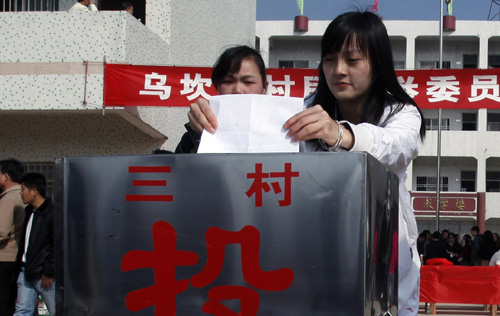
<point x="36" y="249"/>
<point x="435" y="249"/>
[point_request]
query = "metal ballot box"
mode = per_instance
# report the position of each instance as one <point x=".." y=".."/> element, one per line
<point x="222" y="234"/>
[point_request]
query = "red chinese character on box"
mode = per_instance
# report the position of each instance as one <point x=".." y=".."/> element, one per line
<point x="259" y="185"/>
<point x="165" y="258"/>
<point x="149" y="183"/>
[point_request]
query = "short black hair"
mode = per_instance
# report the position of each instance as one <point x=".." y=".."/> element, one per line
<point x="13" y="168"/>
<point x="35" y="180"/>
<point x="126" y="5"/>
<point x="436" y="235"/>
<point x="230" y="62"/>
<point x="475" y="228"/>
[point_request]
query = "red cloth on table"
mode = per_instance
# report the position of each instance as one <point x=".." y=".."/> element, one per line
<point x="439" y="262"/>
<point x="460" y="284"/>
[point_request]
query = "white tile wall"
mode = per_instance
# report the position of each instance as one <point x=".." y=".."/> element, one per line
<point x="41" y="68"/>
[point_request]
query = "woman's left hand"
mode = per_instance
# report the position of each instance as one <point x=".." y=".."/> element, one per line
<point x="312" y="123"/>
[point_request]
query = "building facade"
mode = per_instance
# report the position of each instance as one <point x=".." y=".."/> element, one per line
<point x="51" y="88"/>
<point x="470" y="138"/>
<point x="51" y="73"/>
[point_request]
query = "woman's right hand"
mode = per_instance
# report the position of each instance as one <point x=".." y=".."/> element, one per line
<point x="201" y="117"/>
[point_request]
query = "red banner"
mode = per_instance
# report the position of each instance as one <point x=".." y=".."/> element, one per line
<point x="129" y="85"/>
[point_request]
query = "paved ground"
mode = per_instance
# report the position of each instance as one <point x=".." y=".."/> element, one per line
<point x="457" y="310"/>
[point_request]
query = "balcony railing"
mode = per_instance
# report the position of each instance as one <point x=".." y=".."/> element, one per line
<point x="29" y="5"/>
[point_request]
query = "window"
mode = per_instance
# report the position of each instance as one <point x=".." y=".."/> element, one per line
<point x="399" y="64"/>
<point x="431" y="64"/>
<point x="431" y="124"/>
<point x="32" y="5"/>
<point x="493" y="61"/>
<point x="429" y="184"/>
<point x="470" y="61"/>
<point x="467" y="181"/>
<point x="492" y="181"/>
<point x="257" y="43"/>
<point x="493" y="122"/>
<point x="47" y="169"/>
<point x="293" y="64"/>
<point x="469" y="121"/>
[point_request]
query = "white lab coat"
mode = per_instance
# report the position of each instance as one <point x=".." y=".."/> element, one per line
<point x="395" y="144"/>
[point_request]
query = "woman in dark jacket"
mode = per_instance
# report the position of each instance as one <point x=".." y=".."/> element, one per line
<point x="487" y="248"/>
<point x="464" y="255"/>
<point x="453" y="248"/>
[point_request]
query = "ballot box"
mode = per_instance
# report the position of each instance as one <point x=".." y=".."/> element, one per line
<point x="226" y="234"/>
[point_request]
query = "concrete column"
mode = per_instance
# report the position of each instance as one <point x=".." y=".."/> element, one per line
<point x="265" y="49"/>
<point x="483" y="52"/>
<point x="410" y="52"/>
<point x="480" y="153"/>
<point x="409" y="177"/>
<point x="481" y="210"/>
<point x="481" y="173"/>
<point x="482" y="120"/>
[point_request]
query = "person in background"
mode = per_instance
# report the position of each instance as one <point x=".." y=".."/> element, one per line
<point x="468" y="238"/>
<point x="453" y="248"/>
<point x="421" y="244"/>
<point x="428" y="236"/>
<point x="444" y="236"/>
<point x="464" y="255"/>
<point x="436" y="248"/>
<point x="36" y="249"/>
<point x="128" y="6"/>
<point x="495" y="259"/>
<point x="11" y="225"/>
<point x="83" y="6"/>
<point x="239" y="70"/>
<point x="476" y="243"/>
<point x="486" y="249"/>
<point x="496" y="238"/>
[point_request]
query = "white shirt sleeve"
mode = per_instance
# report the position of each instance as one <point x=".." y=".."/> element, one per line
<point x="395" y="144"/>
<point x="495" y="260"/>
<point x="78" y="7"/>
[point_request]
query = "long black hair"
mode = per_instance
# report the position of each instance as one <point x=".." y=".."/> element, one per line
<point x="368" y="33"/>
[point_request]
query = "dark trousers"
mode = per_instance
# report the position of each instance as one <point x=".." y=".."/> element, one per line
<point x="8" y="288"/>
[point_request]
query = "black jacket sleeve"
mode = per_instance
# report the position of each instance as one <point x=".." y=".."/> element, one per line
<point x="189" y="142"/>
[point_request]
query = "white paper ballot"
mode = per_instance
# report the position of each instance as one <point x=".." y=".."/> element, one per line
<point x="250" y="123"/>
